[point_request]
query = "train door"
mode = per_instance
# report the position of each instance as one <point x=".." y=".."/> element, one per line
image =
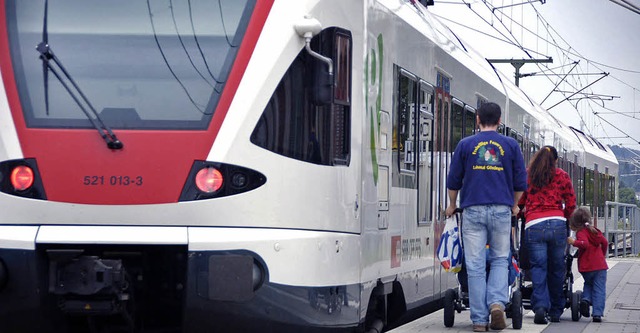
<point x="598" y="203"/>
<point x="425" y="172"/>
<point x="440" y="169"/>
<point x="425" y="121"/>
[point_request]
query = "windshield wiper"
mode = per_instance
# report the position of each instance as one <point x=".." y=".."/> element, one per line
<point x="47" y="56"/>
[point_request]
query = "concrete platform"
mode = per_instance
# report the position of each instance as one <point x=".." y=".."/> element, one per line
<point x="621" y="313"/>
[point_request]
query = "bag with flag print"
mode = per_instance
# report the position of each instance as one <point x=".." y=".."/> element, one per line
<point x="450" y="247"/>
<point x="514" y="270"/>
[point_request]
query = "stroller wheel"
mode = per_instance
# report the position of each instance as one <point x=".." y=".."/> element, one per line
<point x="449" y="306"/>
<point x="516" y="309"/>
<point x="576" y="297"/>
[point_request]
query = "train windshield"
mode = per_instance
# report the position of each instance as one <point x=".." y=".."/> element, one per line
<point x="142" y="64"/>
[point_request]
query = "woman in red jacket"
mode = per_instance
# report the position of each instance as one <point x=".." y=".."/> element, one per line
<point x="548" y="203"/>
<point x="592" y="251"/>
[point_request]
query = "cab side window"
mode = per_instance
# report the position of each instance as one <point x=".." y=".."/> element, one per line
<point x="299" y="124"/>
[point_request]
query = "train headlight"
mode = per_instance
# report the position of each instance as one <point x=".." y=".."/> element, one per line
<point x="22" y="177"/>
<point x="209" y="180"/>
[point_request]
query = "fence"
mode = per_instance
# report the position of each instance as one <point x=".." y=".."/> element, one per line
<point x="622" y="228"/>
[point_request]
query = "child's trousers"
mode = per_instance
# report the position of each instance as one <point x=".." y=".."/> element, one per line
<point x="595" y="290"/>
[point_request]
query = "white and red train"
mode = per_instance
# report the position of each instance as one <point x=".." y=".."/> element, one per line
<point x="240" y="165"/>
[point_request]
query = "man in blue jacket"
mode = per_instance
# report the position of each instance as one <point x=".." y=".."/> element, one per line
<point x="489" y="172"/>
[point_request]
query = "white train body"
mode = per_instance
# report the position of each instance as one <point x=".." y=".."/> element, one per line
<point x="327" y="208"/>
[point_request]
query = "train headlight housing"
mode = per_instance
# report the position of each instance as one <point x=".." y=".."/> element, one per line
<point x="22" y="177"/>
<point x="208" y="180"/>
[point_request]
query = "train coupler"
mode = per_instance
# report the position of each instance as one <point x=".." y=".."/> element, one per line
<point x="87" y="284"/>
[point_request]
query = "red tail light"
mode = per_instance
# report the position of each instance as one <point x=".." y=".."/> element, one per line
<point x="209" y="180"/>
<point x="22" y="177"/>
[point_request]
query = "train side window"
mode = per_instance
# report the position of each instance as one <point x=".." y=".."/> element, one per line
<point x="441" y="142"/>
<point x="295" y="123"/>
<point x="575" y="177"/>
<point x="404" y="136"/>
<point x="602" y="190"/>
<point x="526" y="143"/>
<point x="457" y="117"/>
<point x="589" y="182"/>
<point x="502" y="129"/>
<point x="341" y="107"/>
<point x="470" y="121"/>
<point x="612" y="188"/>
<point x="438" y="168"/>
<point x="578" y="181"/>
<point x="532" y="150"/>
<point x="514" y="134"/>
<point x="425" y="144"/>
<point x="447" y="129"/>
<point x="520" y="140"/>
<point x="571" y="173"/>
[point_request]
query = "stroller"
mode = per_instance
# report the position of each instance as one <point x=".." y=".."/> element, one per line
<point x="526" y="286"/>
<point x="457" y="299"/>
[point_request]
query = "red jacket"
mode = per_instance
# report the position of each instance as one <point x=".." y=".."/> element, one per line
<point x="548" y="201"/>
<point x="592" y="250"/>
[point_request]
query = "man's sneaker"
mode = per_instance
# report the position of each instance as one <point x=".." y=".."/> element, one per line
<point x="597" y="319"/>
<point x="584" y="308"/>
<point x="540" y="317"/>
<point x="480" y="328"/>
<point x="497" y="318"/>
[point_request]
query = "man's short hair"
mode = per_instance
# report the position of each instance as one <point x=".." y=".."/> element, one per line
<point x="489" y="114"/>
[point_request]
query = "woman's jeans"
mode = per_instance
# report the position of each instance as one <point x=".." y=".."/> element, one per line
<point x="595" y="289"/>
<point x="546" y="243"/>
<point x="482" y="226"/>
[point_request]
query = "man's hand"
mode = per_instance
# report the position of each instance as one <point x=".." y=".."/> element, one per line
<point x="450" y="210"/>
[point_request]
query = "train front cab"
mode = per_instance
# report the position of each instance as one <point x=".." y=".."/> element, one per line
<point x="129" y="279"/>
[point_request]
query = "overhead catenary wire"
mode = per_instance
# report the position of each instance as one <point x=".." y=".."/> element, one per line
<point x="498" y="22"/>
<point x="568" y="51"/>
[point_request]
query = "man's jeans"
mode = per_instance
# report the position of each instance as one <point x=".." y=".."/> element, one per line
<point x="482" y="226"/>
<point x="595" y="289"/>
<point x="546" y="244"/>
